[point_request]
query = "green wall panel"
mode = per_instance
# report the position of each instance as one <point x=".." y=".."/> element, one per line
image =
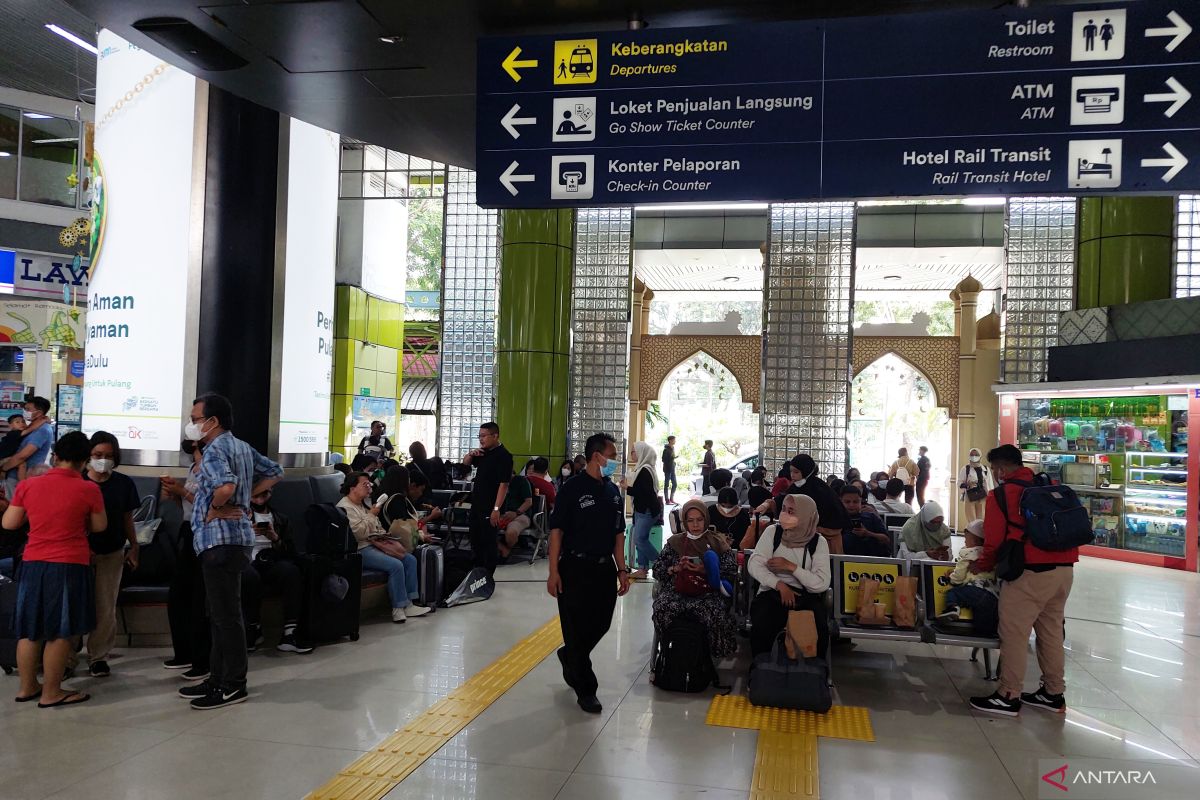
<point x="1125" y="250"/>
<point x="534" y="300"/>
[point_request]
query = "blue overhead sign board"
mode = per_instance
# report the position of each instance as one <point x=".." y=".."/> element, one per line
<point x="1061" y="100"/>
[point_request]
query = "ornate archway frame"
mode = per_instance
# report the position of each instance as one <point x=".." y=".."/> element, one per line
<point x="741" y="355"/>
<point x="935" y="357"/>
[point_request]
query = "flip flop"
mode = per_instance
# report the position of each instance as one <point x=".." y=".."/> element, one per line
<point x="67" y="701"/>
<point x="29" y="698"/>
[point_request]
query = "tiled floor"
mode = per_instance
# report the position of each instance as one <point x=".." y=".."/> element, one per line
<point x="1133" y="685"/>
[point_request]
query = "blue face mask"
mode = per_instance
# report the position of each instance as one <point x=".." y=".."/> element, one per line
<point x="610" y="467"/>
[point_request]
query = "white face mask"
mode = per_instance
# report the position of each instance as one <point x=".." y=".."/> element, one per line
<point x="974" y="459"/>
<point x="566" y="473"/>
<point x="28" y="415"/>
<point x="695" y="536"/>
<point x="101" y="465"/>
<point x="798" y="484"/>
<point x="193" y="431"/>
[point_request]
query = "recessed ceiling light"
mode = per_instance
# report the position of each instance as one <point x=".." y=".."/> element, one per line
<point x="70" y="37"/>
<point x="731" y="279"/>
<point x="35" y="115"/>
<point x="891" y="277"/>
<point x="394" y="39"/>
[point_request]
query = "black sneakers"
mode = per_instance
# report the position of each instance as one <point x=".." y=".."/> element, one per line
<point x="1045" y="701"/>
<point x="290" y="644"/>
<point x="949" y="615"/>
<point x="176" y="663"/>
<point x="99" y="669"/>
<point x="996" y="703"/>
<point x="219" y="698"/>
<point x="196" y="690"/>
<point x="254" y="638"/>
<point x="194" y="674"/>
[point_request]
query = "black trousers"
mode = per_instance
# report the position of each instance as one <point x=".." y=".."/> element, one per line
<point x="187" y="611"/>
<point x="768" y="617"/>
<point x="482" y="535"/>
<point x="223" y="566"/>
<point x="281" y="575"/>
<point x="908" y="494"/>
<point x="921" y="492"/>
<point x="585" y="610"/>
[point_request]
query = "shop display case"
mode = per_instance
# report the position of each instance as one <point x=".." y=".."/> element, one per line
<point x="1127" y="455"/>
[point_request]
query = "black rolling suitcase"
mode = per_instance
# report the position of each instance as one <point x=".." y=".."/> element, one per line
<point x="324" y="615"/>
<point x="328" y="532"/>
<point x="431" y="575"/>
<point x="8" y="609"/>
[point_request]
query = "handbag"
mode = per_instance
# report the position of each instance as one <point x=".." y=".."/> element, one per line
<point x="979" y="490"/>
<point x="691" y="584"/>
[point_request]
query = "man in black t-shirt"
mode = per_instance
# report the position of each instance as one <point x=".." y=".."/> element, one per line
<point x="376" y="444"/>
<point x="922" y="474"/>
<point x="670" y="482"/>
<point x="587" y="563"/>
<point x="493" y="470"/>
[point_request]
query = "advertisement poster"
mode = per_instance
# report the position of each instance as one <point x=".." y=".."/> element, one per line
<point x="137" y="298"/>
<point x="368" y="409"/>
<point x="307" y="365"/>
<point x="855" y="571"/>
<point x="41" y="323"/>
<point x="68" y="409"/>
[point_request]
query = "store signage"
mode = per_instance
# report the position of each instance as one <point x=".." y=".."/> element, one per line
<point x="1010" y="101"/>
<point x="76" y="369"/>
<point x="307" y="348"/>
<point x="41" y="323"/>
<point x="34" y="274"/>
<point x="137" y="306"/>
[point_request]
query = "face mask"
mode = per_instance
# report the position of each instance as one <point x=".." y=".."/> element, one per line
<point x="261" y="518"/>
<point x="788" y="521"/>
<point x="695" y="536"/>
<point x="193" y="431"/>
<point x="566" y="473"/>
<point x="974" y="459"/>
<point x="28" y="415"/>
<point x="799" y="483"/>
<point x="730" y="511"/>
<point x="610" y="467"/>
<point x="101" y="465"/>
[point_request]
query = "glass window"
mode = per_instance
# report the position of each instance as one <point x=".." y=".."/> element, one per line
<point x="10" y="127"/>
<point x="49" y="160"/>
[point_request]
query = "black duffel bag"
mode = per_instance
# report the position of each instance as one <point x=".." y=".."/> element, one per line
<point x="780" y="682"/>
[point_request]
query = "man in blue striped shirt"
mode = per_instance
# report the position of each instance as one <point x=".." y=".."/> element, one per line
<point x="230" y="474"/>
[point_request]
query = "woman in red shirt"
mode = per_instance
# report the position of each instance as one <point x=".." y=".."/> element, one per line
<point x="55" y="585"/>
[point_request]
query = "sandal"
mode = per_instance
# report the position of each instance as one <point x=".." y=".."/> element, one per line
<point x="67" y="701"/>
<point x="30" y="698"/>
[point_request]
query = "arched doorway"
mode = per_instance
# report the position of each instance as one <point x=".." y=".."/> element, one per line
<point x="701" y="399"/>
<point x="894" y="405"/>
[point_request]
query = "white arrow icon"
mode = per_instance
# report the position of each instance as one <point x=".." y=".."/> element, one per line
<point x="1179" y="30"/>
<point x="509" y="178"/>
<point x="510" y="121"/>
<point x="1176" y="162"/>
<point x="1176" y="97"/>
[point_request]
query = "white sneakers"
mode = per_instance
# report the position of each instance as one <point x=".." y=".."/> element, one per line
<point x="399" y="615"/>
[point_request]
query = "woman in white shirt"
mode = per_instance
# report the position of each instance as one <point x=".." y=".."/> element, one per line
<point x="973" y="476"/>
<point x="792" y="576"/>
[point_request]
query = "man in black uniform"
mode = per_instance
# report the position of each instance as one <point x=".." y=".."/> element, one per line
<point x="587" y="562"/>
<point x="923" y="465"/>
<point x="493" y="470"/>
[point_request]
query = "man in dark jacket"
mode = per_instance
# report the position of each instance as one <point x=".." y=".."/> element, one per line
<point x="1036" y="601"/>
<point x="273" y="567"/>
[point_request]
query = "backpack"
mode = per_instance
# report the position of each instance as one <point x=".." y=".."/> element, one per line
<point x="328" y="532"/>
<point x="810" y="548"/>
<point x="681" y="658"/>
<point x="903" y="474"/>
<point x="1053" y="518"/>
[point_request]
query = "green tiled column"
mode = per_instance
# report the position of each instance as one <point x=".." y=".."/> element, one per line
<point x="1125" y="250"/>
<point x="533" y="331"/>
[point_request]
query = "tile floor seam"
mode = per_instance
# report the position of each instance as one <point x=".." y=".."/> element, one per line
<point x="1149" y="721"/>
<point x="116" y="764"/>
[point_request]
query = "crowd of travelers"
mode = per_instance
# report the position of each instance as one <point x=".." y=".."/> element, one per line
<point x="73" y="511"/>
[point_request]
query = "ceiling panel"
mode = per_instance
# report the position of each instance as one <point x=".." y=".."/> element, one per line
<point x="33" y="59"/>
<point x="926" y="268"/>
<point x="697" y="270"/>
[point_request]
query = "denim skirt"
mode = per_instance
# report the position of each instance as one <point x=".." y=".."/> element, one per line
<point x="54" y="601"/>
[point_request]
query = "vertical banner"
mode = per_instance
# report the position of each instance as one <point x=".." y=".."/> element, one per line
<point x="307" y="357"/>
<point x="137" y="298"/>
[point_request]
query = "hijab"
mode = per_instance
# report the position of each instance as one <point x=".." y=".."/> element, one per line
<point x="805" y="510"/>
<point x="647" y="457"/>
<point x="917" y="537"/>
<point x="687" y="547"/>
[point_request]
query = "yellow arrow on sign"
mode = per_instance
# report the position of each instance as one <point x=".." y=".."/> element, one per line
<point x="511" y="63"/>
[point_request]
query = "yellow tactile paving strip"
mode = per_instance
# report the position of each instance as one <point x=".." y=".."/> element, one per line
<point x="785" y="766"/>
<point x="842" y="722"/>
<point x="395" y="758"/>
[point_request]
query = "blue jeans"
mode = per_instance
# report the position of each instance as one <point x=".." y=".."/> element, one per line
<point x="983" y="604"/>
<point x="646" y="554"/>
<point x="6" y="567"/>
<point x="401" y="572"/>
<point x="670" y="484"/>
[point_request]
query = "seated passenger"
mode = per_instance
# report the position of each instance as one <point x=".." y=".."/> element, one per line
<point x="379" y="550"/>
<point x="434" y="469"/>
<point x="864" y="533"/>
<point x="759" y="491"/>
<point x="400" y="513"/>
<point x="514" y="515"/>
<point x="272" y="566"/>
<point x="877" y="488"/>
<point x="535" y="472"/>
<point x="893" y="503"/>
<point x="703" y="552"/>
<point x="793" y="576"/>
<point x="728" y="517"/>
<point x="832" y="516"/>
<point x="978" y="591"/>
<point x="566" y="471"/>
<point x="925" y="535"/>
<point x="421" y="499"/>
<point x="725" y="479"/>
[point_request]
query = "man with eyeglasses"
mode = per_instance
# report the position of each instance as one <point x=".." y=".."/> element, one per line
<point x="493" y="470"/>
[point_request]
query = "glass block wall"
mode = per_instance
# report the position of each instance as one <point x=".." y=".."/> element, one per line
<point x="600" y="307"/>
<point x="1187" y="245"/>
<point x="808" y="295"/>
<point x="1039" y="282"/>
<point x="469" y="279"/>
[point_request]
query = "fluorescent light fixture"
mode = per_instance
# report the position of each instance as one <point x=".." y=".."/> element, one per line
<point x="984" y="201"/>
<point x="70" y="37"/>
<point x="55" y="141"/>
<point x="5" y="154"/>
<point x="36" y="115"/>
<point x="706" y="207"/>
